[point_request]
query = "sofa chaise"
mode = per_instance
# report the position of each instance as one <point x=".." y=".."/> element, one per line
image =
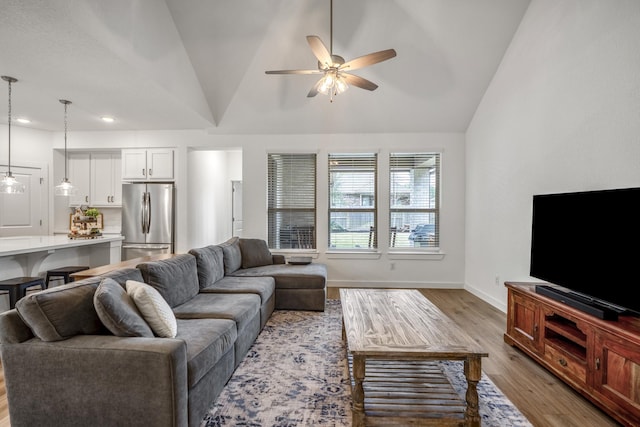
<point x="147" y="346"/>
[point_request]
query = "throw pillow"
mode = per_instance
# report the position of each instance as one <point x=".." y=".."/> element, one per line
<point x="255" y="253"/>
<point x="154" y="308"/>
<point x="118" y="312"/>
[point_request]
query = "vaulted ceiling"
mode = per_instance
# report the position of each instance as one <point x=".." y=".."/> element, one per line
<point x="200" y="64"/>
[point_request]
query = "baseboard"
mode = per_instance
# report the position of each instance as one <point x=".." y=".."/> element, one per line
<point x="393" y="284"/>
<point x="486" y="297"/>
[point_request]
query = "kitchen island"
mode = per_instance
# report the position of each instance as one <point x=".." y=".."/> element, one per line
<point x="34" y="255"/>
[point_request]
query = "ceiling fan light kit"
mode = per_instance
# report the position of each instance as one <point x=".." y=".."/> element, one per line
<point x="335" y="79"/>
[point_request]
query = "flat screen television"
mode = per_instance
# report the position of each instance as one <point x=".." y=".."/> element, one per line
<point x="589" y="243"/>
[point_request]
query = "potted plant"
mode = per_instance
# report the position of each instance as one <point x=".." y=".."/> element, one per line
<point x="92" y="212"/>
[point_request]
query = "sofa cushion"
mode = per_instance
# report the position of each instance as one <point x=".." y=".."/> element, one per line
<point x="210" y="264"/>
<point x="310" y="276"/>
<point x="63" y="311"/>
<point x="118" y="312"/>
<point x="176" y="278"/>
<point x="207" y="341"/>
<point x="154" y="308"/>
<point x="232" y="255"/>
<point x="255" y="253"/>
<point x="263" y="286"/>
<point x="241" y="308"/>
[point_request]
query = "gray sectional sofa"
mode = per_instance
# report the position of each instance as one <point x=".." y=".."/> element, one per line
<point x="87" y="353"/>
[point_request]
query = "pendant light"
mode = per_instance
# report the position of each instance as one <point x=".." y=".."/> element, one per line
<point x="65" y="188"/>
<point x="8" y="184"/>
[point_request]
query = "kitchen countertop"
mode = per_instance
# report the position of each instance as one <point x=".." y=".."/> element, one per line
<point x="30" y="244"/>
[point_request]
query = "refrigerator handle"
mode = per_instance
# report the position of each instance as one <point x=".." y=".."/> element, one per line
<point x="148" y="211"/>
<point x="143" y="213"/>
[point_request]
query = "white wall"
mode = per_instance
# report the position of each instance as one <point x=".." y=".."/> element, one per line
<point x="376" y="270"/>
<point x="204" y="174"/>
<point x="561" y="114"/>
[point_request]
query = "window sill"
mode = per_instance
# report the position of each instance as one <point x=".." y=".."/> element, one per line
<point x="347" y="254"/>
<point x="433" y="255"/>
<point x="313" y="253"/>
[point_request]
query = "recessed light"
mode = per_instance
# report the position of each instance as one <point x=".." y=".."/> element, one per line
<point x="108" y="119"/>
<point x="23" y="120"/>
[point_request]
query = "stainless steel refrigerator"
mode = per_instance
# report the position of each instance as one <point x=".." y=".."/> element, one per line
<point x="147" y="219"/>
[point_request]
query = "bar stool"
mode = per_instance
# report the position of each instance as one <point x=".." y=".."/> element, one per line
<point x="17" y="287"/>
<point x="64" y="273"/>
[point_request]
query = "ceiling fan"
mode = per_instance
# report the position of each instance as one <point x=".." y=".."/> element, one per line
<point x="336" y="79"/>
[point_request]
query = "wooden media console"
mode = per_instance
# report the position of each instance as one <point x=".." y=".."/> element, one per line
<point x="598" y="358"/>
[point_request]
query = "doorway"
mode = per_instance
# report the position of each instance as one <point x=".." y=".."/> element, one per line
<point x="24" y="214"/>
<point x="236" y="208"/>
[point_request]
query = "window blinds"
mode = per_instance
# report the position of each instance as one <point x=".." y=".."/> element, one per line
<point x="352" y="200"/>
<point x="414" y="206"/>
<point x="291" y="199"/>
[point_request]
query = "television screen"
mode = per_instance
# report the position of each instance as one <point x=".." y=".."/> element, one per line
<point x="588" y="242"/>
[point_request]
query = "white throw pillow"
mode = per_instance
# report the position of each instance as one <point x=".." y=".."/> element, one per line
<point x="154" y="308"/>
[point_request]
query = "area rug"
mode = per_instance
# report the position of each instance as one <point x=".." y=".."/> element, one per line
<point x="296" y="375"/>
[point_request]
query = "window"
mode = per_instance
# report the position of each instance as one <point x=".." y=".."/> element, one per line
<point x="291" y="201"/>
<point x="352" y="201"/>
<point x="414" y="205"/>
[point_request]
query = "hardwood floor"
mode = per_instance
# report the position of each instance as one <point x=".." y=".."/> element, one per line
<point x="540" y="396"/>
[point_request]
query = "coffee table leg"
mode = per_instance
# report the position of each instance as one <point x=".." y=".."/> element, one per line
<point x="358" y="391"/>
<point x="473" y="372"/>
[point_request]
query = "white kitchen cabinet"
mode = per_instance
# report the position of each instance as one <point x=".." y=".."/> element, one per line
<point x="97" y="177"/>
<point x="151" y="164"/>
<point x="106" y="183"/>
<point x="79" y="173"/>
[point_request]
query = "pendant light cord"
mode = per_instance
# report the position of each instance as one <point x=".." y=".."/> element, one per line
<point x="66" y="161"/>
<point x="9" y="126"/>
<point x="65" y="140"/>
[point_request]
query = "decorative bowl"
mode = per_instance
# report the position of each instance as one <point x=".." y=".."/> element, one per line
<point x="300" y="260"/>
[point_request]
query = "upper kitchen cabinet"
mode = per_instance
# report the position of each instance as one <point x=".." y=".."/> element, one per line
<point x="97" y="177"/>
<point x="151" y="164"/>
<point x="80" y="177"/>
<point x="106" y="185"/>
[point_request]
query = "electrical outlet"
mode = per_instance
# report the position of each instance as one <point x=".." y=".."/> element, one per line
<point x="392" y="266"/>
<point x="497" y="280"/>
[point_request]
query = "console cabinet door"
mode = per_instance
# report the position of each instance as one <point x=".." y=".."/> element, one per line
<point x="524" y="323"/>
<point x="617" y="372"/>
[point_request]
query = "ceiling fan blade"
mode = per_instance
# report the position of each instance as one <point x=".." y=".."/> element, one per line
<point x="294" y="72"/>
<point x="358" y="81"/>
<point x="372" y="58"/>
<point x="320" y="50"/>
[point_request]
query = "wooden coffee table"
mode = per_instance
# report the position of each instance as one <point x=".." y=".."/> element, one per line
<point x="393" y="338"/>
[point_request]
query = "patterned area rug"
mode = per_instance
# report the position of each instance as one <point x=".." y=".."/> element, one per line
<point x="296" y="375"/>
